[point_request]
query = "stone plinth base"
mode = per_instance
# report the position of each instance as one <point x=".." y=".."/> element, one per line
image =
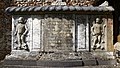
<point x="64" y="63"/>
<point x="67" y="63"/>
<point x="59" y="59"/>
<point x="58" y="56"/>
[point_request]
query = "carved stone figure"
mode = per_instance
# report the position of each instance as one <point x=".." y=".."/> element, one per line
<point x="21" y="30"/>
<point x="97" y="31"/>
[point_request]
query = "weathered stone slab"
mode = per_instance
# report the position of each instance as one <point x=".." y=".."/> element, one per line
<point x="110" y="46"/>
<point x="89" y="62"/>
<point x="13" y="62"/>
<point x="60" y="63"/>
<point x="67" y="63"/>
<point x="29" y="62"/>
<point x="107" y="62"/>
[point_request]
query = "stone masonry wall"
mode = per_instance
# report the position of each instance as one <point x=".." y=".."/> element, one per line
<point x="5" y="30"/>
<point x="5" y="37"/>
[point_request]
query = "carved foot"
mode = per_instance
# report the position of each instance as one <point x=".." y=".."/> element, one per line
<point x="22" y="48"/>
<point x="102" y="48"/>
<point x="18" y="48"/>
<point x="103" y="41"/>
<point x="25" y="46"/>
<point x="98" y="47"/>
<point x="94" y="47"/>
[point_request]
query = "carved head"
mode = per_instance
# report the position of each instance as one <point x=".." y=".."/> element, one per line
<point x="21" y="20"/>
<point x="97" y="20"/>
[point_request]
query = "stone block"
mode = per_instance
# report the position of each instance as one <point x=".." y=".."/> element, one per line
<point x="13" y="62"/>
<point x="74" y="63"/>
<point x="107" y="62"/>
<point x="68" y="63"/>
<point x="90" y="62"/>
<point x="29" y="63"/>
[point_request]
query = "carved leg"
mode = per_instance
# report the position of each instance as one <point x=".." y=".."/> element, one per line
<point x="99" y="42"/>
<point x="24" y="45"/>
<point x="23" y="41"/>
<point x="19" y="40"/>
<point x="102" y="48"/>
<point x="94" y="42"/>
<point x="99" y="39"/>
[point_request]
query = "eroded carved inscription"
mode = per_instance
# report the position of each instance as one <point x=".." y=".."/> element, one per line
<point x="58" y="34"/>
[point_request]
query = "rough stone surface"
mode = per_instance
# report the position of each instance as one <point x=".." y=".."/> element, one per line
<point x="101" y="66"/>
<point x="91" y="62"/>
<point x="58" y="64"/>
<point x="5" y="30"/>
<point x="73" y="59"/>
<point x="5" y="38"/>
<point x="103" y="62"/>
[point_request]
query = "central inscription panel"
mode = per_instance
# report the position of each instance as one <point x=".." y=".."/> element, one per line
<point x="58" y="33"/>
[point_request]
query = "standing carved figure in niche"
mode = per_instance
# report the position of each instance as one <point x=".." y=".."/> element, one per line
<point x="21" y="30"/>
<point x="97" y="31"/>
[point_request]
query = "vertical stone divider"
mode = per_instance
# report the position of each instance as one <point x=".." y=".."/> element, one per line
<point x="12" y="33"/>
<point x="90" y="19"/>
<point x="110" y="46"/>
<point x="41" y="35"/>
<point x="73" y="32"/>
<point x="30" y="33"/>
<point x="87" y="33"/>
<point x="45" y="34"/>
<point x="36" y="32"/>
<point x="105" y="39"/>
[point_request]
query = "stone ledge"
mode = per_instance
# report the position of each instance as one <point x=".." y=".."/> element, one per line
<point x="64" y="63"/>
<point x="91" y="62"/>
<point x="68" y="63"/>
<point x="99" y="66"/>
<point x="106" y="62"/>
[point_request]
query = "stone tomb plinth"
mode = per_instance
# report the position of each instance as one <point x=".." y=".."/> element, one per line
<point x="60" y="34"/>
<point x="57" y="36"/>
